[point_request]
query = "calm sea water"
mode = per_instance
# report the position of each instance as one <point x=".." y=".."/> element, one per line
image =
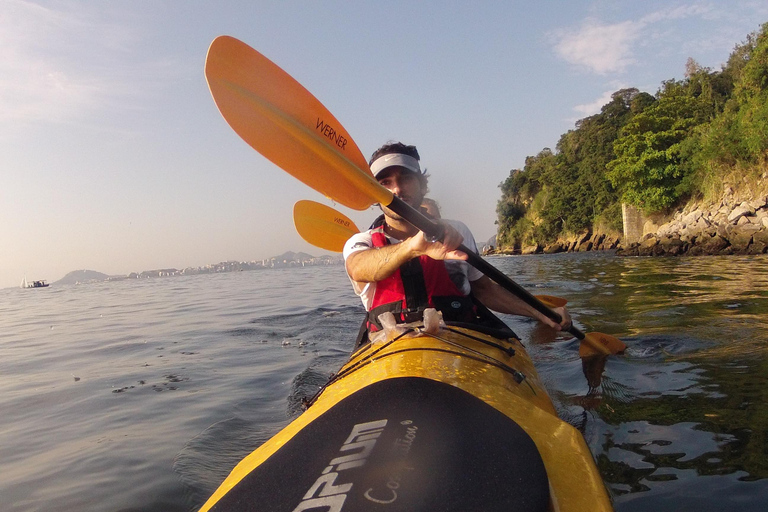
<point x="142" y="395"/>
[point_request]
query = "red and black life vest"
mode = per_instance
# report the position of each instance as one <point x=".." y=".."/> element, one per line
<point x="419" y="284"/>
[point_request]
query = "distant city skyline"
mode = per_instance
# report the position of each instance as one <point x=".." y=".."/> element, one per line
<point x="113" y="156"/>
<point x="286" y="259"/>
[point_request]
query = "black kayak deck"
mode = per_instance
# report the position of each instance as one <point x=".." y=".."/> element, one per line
<point x="402" y="444"/>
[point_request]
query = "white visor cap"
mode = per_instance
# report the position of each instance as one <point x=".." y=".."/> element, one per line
<point x="395" y="160"/>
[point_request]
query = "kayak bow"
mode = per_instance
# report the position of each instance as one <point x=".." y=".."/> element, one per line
<point x="457" y="420"/>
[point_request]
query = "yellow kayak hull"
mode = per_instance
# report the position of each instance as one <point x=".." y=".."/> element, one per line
<point x="460" y="365"/>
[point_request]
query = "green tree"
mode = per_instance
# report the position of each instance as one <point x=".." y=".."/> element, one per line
<point x="739" y="135"/>
<point x="567" y="191"/>
<point x="518" y="192"/>
<point x="650" y="151"/>
<point x="649" y="168"/>
<point x="751" y="93"/>
<point x="580" y="191"/>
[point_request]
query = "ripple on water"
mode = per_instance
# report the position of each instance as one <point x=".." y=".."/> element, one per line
<point x="149" y="391"/>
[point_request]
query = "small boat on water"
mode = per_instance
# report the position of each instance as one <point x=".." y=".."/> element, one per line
<point x="33" y="284"/>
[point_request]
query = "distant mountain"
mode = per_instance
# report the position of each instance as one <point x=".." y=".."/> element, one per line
<point x="293" y="256"/>
<point x="82" y="276"/>
<point x="287" y="259"/>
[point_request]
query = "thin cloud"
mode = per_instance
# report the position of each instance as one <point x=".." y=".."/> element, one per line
<point x="679" y="13"/>
<point x="39" y="80"/>
<point x="589" y="109"/>
<point x="604" y="48"/>
<point x="600" y="48"/>
<point x="62" y="65"/>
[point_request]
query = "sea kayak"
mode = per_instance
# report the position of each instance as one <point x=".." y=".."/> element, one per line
<point x="455" y="419"/>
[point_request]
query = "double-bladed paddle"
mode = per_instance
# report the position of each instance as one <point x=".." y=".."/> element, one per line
<point x="329" y="229"/>
<point x="284" y="122"/>
<point x="322" y="226"/>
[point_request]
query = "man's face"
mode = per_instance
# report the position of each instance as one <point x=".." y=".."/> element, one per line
<point x="404" y="184"/>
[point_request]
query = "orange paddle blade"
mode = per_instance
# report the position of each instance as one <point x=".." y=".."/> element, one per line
<point x="322" y="226"/>
<point x="597" y="343"/>
<point x="284" y="122"/>
<point x="551" y="301"/>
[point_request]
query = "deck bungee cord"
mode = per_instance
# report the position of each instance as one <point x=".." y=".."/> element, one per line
<point x="468" y="353"/>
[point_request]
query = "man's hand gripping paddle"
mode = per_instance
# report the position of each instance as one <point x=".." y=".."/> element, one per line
<point x="329" y="229"/>
<point x="284" y="122"/>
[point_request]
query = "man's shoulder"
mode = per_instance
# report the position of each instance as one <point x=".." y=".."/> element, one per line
<point x="459" y="226"/>
<point x="464" y="231"/>
<point x="455" y="223"/>
<point x="359" y="241"/>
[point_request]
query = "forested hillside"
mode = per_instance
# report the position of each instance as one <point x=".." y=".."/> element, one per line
<point x="652" y="151"/>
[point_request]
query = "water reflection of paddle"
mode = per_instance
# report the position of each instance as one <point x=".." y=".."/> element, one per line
<point x="593" y="368"/>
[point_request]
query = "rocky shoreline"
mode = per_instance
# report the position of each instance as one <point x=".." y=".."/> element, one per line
<point x="728" y="227"/>
<point x="578" y="243"/>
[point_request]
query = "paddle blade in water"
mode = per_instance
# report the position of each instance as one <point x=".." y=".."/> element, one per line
<point x="322" y="226"/>
<point x="597" y="343"/>
<point x="551" y="301"/>
<point x="284" y="122"/>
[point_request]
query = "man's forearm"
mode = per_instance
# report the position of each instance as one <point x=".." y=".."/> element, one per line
<point x="373" y="265"/>
<point x="498" y="299"/>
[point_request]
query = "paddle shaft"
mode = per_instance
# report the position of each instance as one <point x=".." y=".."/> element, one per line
<point x="432" y="229"/>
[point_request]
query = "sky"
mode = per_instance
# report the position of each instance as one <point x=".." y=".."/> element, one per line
<point x="114" y="158"/>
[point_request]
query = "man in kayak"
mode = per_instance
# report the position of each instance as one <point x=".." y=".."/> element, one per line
<point x="394" y="267"/>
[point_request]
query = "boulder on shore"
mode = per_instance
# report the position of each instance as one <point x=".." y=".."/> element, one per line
<point x="728" y="227"/>
<point x="724" y="228"/>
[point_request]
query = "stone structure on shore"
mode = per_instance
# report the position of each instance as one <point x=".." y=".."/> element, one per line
<point x="731" y="226"/>
<point x="727" y="227"/>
